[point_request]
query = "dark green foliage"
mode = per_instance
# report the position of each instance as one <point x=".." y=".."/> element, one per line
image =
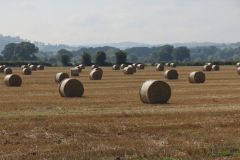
<point x="100" y="58"/>
<point x="86" y="59"/>
<point x="181" y="54"/>
<point x="121" y="57"/>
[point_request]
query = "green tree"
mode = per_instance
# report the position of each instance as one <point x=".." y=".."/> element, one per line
<point x="65" y="59"/>
<point x="20" y="51"/>
<point x="165" y="53"/>
<point x="86" y="59"/>
<point x="121" y="57"/>
<point x="100" y="57"/>
<point x="181" y="54"/>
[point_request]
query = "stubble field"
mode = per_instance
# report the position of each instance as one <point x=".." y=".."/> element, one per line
<point x="201" y="121"/>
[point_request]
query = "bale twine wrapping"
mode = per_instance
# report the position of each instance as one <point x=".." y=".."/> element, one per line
<point x="82" y="66"/>
<point x="60" y="77"/>
<point x="171" y="74"/>
<point x="238" y="70"/>
<point x="27" y="71"/>
<point x="160" y="67"/>
<point x="7" y="71"/>
<point x="94" y="66"/>
<point x="238" y="64"/>
<point x="197" y="77"/>
<point x="155" y="92"/>
<point x="128" y="70"/>
<point x="116" y="67"/>
<point x="123" y="66"/>
<point x="40" y="67"/>
<point x="2" y="67"/>
<point x="74" y="72"/>
<point x="207" y="68"/>
<point x="140" y="66"/>
<point x="13" y="80"/>
<point x="71" y="88"/>
<point x="33" y="67"/>
<point x="215" y="67"/>
<point x="173" y="65"/>
<point x="96" y="74"/>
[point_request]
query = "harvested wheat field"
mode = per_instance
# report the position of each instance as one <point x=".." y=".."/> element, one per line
<point x="201" y="121"/>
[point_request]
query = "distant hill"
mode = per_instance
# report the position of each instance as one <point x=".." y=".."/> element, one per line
<point x="8" y="39"/>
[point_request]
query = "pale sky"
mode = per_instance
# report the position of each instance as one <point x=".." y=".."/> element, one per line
<point x="105" y="21"/>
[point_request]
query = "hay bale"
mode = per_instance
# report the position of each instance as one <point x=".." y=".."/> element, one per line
<point x="134" y="68"/>
<point x="2" y="67"/>
<point x="71" y="88"/>
<point x="167" y="64"/>
<point x="27" y="71"/>
<point x="24" y="66"/>
<point x="238" y="70"/>
<point x="13" y="80"/>
<point x="160" y="67"/>
<point x="134" y="65"/>
<point x="82" y="66"/>
<point x="33" y="67"/>
<point x="96" y="74"/>
<point x="116" y="67"/>
<point x="171" y="74"/>
<point x="128" y="70"/>
<point x="209" y="64"/>
<point x="173" y="65"/>
<point x="7" y="71"/>
<point x="238" y="64"/>
<point x="140" y="66"/>
<point x="79" y="69"/>
<point x="207" y="68"/>
<point x="60" y="77"/>
<point x="215" y="67"/>
<point x="123" y="66"/>
<point x="74" y="72"/>
<point x="95" y="66"/>
<point x="197" y="77"/>
<point x="40" y="67"/>
<point x="155" y="92"/>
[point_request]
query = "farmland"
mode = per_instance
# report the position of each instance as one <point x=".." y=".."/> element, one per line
<point x="201" y="121"/>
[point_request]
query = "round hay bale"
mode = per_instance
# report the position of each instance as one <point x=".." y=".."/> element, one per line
<point x="238" y="64"/>
<point x="173" y="65"/>
<point x="134" y="68"/>
<point x="74" y="72"/>
<point x="33" y="67"/>
<point x="60" y="77"/>
<point x="171" y="74"/>
<point x="128" y="70"/>
<point x="7" y="71"/>
<point x="71" y="88"/>
<point x="238" y="70"/>
<point x="155" y="92"/>
<point x="79" y="69"/>
<point x="27" y="71"/>
<point x="24" y="66"/>
<point x="123" y="66"/>
<point x="160" y="67"/>
<point x="96" y="74"/>
<point x="2" y="67"/>
<point x="40" y="67"/>
<point x="140" y="66"/>
<point x="215" y="67"/>
<point x="13" y="80"/>
<point x="207" y="68"/>
<point x="95" y="66"/>
<point x="167" y="64"/>
<point x="134" y="65"/>
<point x="116" y="67"/>
<point x="197" y="77"/>
<point x="209" y="64"/>
<point x="82" y="66"/>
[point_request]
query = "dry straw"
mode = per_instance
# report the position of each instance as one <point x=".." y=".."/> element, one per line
<point x="207" y="68"/>
<point x="134" y="68"/>
<point x="160" y="67"/>
<point x="123" y="66"/>
<point x="96" y="74"/>
<point x="27" y="71"/>
<point x="24" y="66"/>
<point x="13" y="80"/>
<point x="40" y="67"/>
<point x="155" y="92"/>
<point x="215" y="67"/>
<point x="74" y="72"/>
<point x="82" y="66"/>
<point x="197" y="77"/>
<point x="171" y="74"/>
<point x="60" y="77"/>
<point x="2" y="67"/>
<point x="173" y="65"/>
<point x="33" y="67"/>
<point x="128" y="70"/>
<point x="238" y="70"/>
<point x="140" y="66"/>
<point x="94" y="66"/>
<point x="7" y="71"/>
<point x="71" y="88"/>
<point x="116" y="67"/>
